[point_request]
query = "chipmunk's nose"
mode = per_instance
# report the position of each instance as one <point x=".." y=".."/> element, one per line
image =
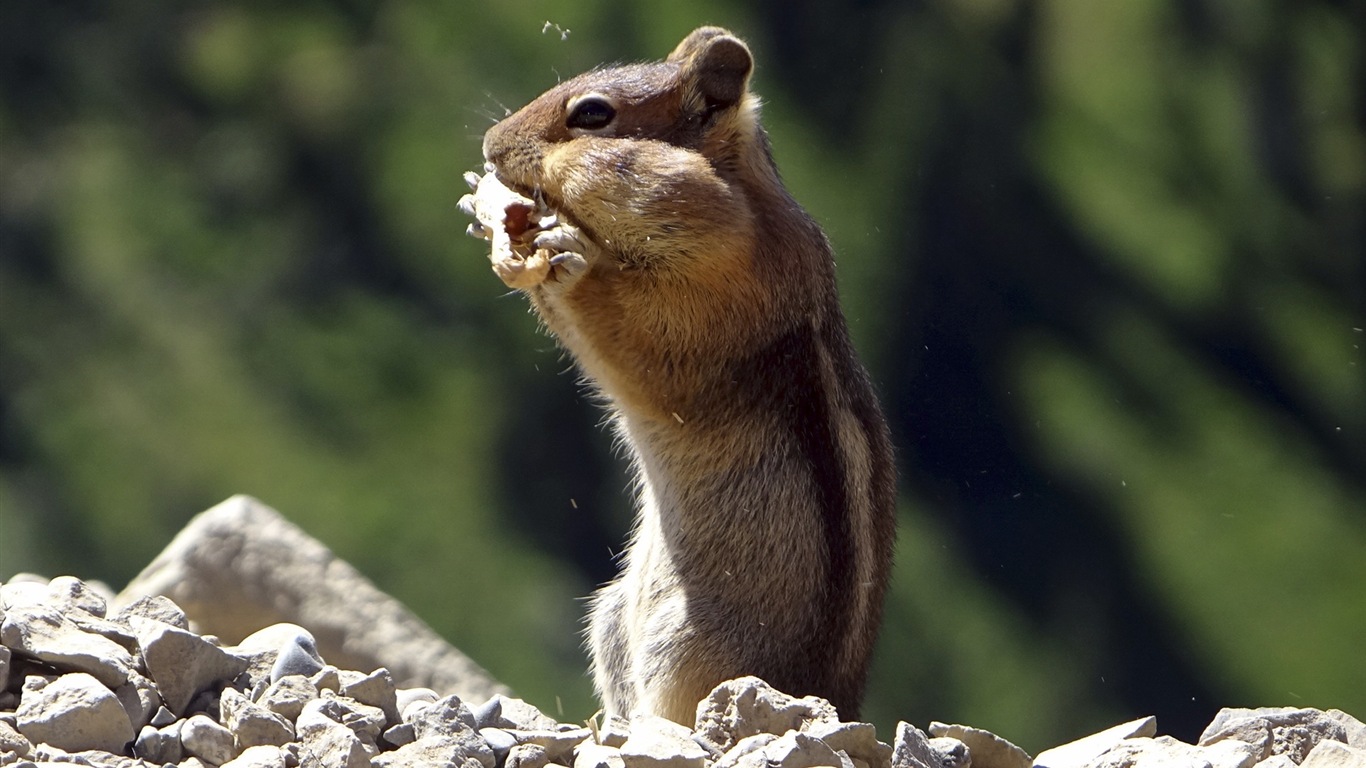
<point x="494" y="147"/>
<point x="512" y="155"/>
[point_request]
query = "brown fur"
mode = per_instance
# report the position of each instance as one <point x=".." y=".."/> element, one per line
<point x="706" y="313"/>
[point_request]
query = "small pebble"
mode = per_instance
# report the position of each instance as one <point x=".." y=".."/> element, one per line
<point x="163" y="717"/>
<point x="327" y="679"/>
<point x="288" y="695"/>
<point x="486" y="715"/>
<point x="158" y="746"/>
<point x="298" y="655"/>
<point x="398" y="735"/>
<point x="527" y="756"/>
<point x="500" y="741"/>
<point x="407" y="697"/>
<point x="207" y="740"/>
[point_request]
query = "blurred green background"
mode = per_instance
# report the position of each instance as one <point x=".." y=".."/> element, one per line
<point x="1104" y="260"/>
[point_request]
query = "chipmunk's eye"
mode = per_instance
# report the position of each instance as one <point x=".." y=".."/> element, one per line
<point x="590" y="113"/>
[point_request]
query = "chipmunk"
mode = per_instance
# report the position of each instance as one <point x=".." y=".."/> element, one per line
<point x="640" y="210"/>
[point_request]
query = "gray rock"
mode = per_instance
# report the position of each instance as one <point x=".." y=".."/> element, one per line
<point x="327" y="679"/>
<point x="240" y="566"/>
<point x="489" y="714"/>
<point x="796" y="749"/>
<point x="100" y="759"/>
<point x="951" y="752"/>
<point x="376" y="689"/>
<point x="411" y="698"/>
<point x="365" y="721"/>
<point x="447" y="716"/>
<point x="251" y="724"/>
<point x="450" y="721"/>
<point x="1294" y="732"/>
<point x="748" y="752"/>
<point x="70" y="593"/>
<point x="159" y="746"/>
<point x="590" y="755"/>
<point x="288" y="695"/>
<point x="36" y="682"/>
<point x="987" y="749"/>
<point x="23" y="590"/>
<point x="326" y="743"/>
<point x="260" y="756"/>
<point x="1253" y="731"/>
<point x="1277" y="761"/>
<point x="1076" y="754"/>
<point x="110" y="630"/>
<point x="746" y="706"/>
<point x="298" y="655"/>
<point x="162" y="717"/>
<point x="46" y="753"/>
<point x="1231" y="754"/>
<point x="314" y="716"/>
<point x="1229" y="715"/>
<point x="262" y="650"/>
<point x="43" y="632"/>
<point x="1355" y="729"/>
<point x="74" y="713"/>
<point x="154" y="607"/>
<point x="615" y="732"/>
<point x="659" y="743"/>
<point x="207" y="740"/>
<point x="139" y="698"/>
<point x="512" y="714"/>
<point x="1166" y="752"/>
<point x="911" y="748"/>
<point x="5" y="656"/>
<point x="12" y="741"/>
<point x="500" y="741"/>
<point x="182" y="663"/>
<point x="527" y="756"/>
<point x="1334" y="754"/>
<point x="399" y="735"/>
<point x="559" y="744"/>
<point x="857" y="740"/>
<point x="427" y="752"/>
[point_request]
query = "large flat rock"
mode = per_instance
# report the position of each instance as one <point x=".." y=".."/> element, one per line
<point x="240" y="566"/>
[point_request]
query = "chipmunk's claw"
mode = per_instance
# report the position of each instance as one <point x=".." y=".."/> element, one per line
<point x="569" y="250"/>
<point x="530" y="245"/>
<point x="562" y="239"/>
<point x="567" y="267"/>
<point x="467" y="205"/>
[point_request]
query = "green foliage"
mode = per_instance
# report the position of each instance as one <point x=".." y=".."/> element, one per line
<point x="1105" y="261"/>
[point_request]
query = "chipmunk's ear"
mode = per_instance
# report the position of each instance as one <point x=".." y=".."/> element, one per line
<point x="717" y="64"/>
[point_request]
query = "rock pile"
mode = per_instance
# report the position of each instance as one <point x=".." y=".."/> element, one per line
<point x="140" y="686"/>
<point x="240" y="566"/>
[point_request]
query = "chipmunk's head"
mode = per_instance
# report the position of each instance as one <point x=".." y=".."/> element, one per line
<point x="697" y="99"/>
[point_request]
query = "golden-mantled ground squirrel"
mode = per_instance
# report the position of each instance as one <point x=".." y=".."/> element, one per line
<point x="640" y="210"/>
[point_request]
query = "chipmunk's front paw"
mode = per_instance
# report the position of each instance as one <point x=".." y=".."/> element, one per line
<point x="569" y="253"/>
<point x="511" y="222"/>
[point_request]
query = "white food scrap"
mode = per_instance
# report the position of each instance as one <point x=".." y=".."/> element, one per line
<point x="510" y="221"/>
